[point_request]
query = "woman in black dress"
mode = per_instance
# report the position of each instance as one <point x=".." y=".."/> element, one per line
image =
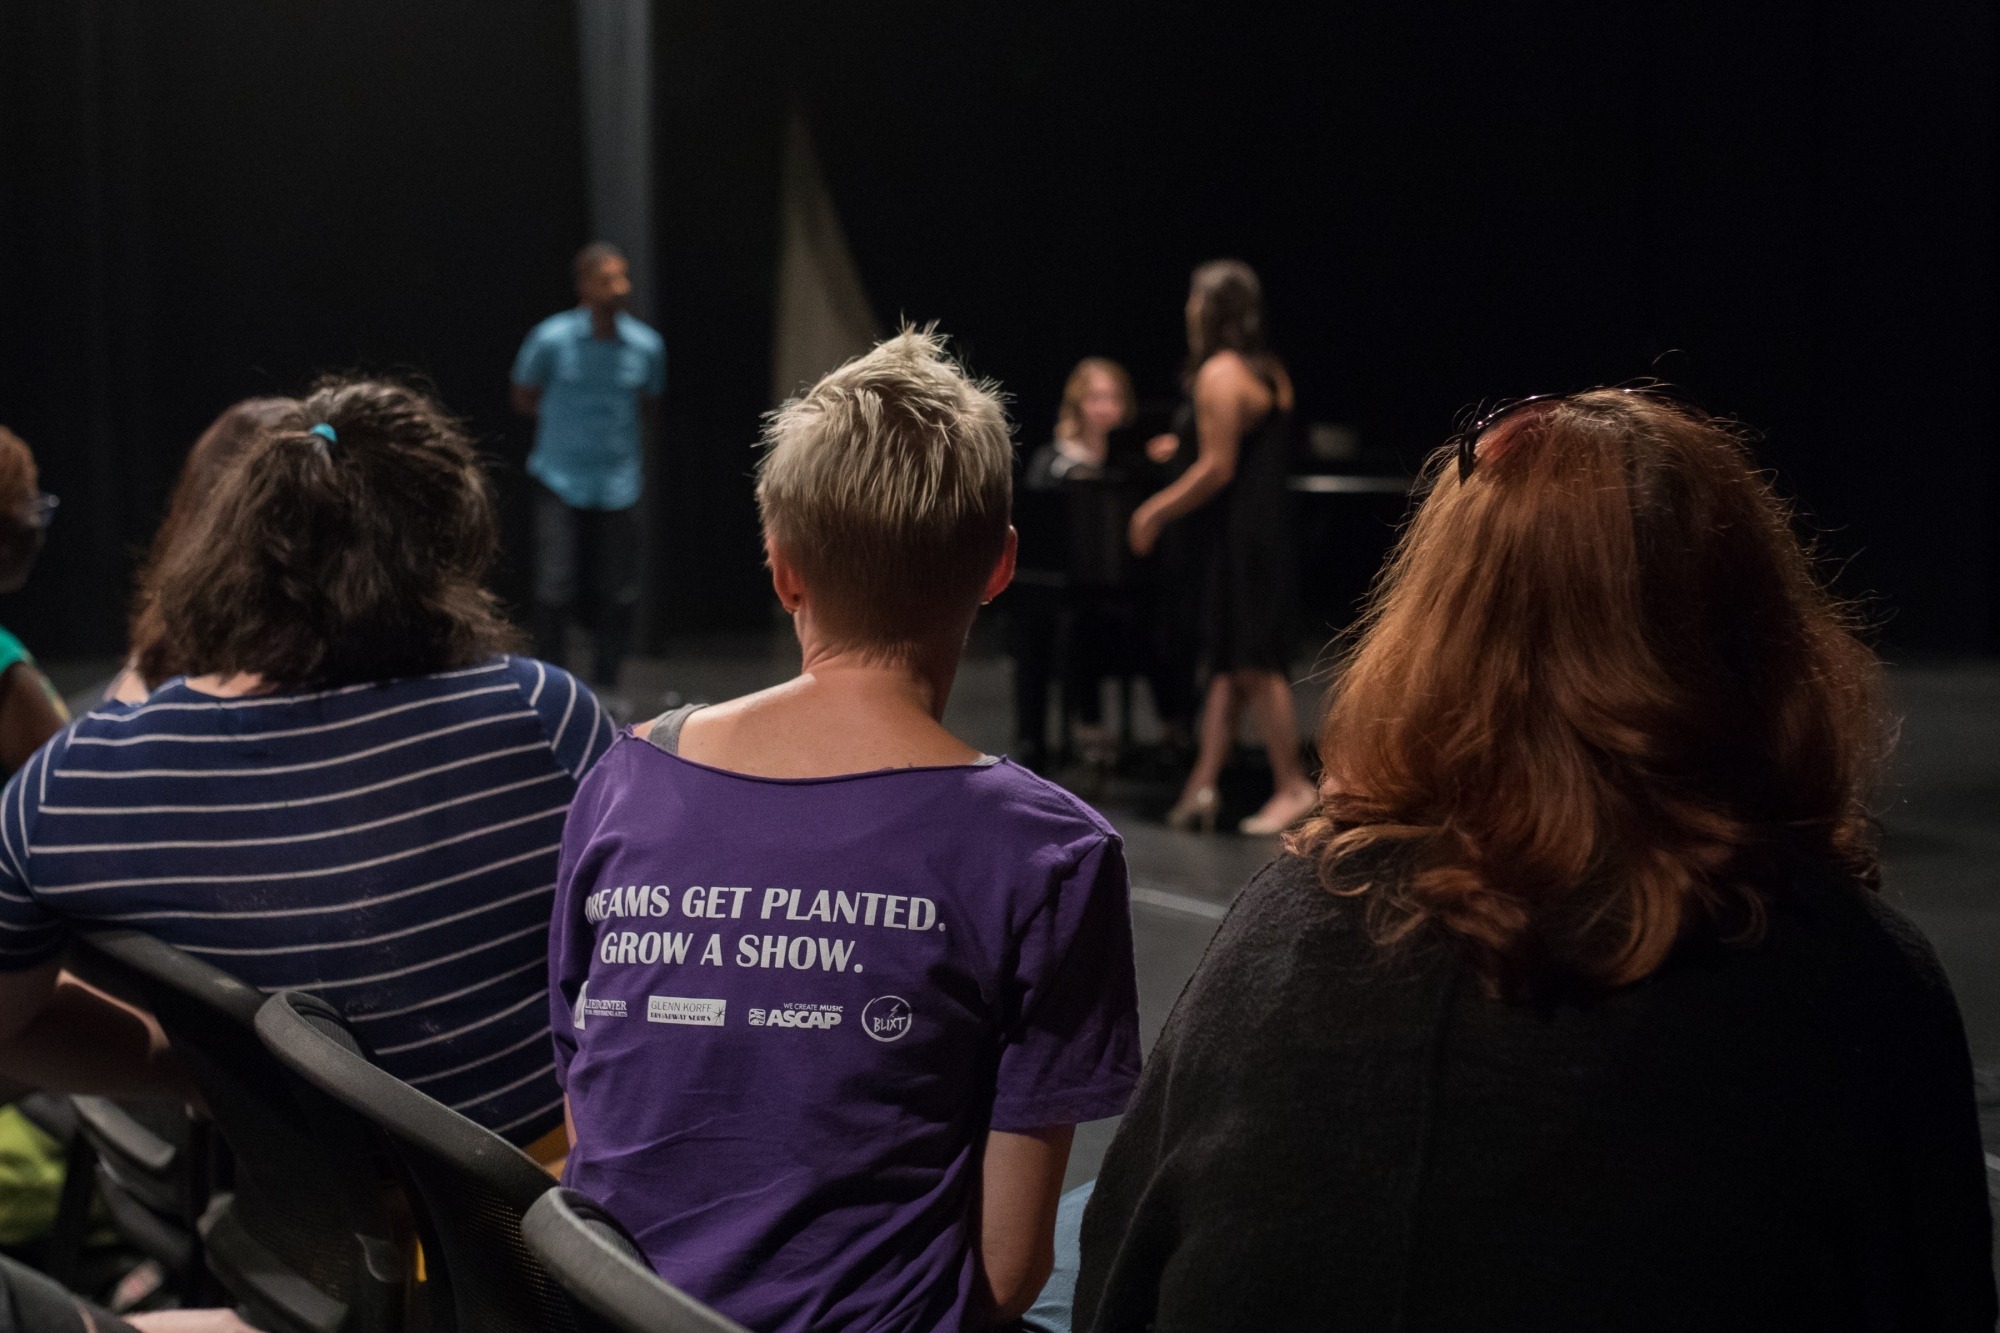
<point x="1239" y="416"/>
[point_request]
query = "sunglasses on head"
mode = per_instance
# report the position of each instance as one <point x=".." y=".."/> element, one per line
<point x="1466" y="442"/>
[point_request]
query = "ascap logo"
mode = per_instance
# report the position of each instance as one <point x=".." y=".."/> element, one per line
<point x="820" y="1016"/>
<point x="887" y="1018"/>
<point x="678" y="1009"/>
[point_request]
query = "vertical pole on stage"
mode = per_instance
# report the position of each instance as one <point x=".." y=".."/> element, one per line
<point x="615" y="46"/>
<point x="615" y="54"/>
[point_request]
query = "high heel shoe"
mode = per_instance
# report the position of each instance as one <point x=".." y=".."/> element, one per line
<point x="1198" y="807"/>
<point x="1280" y="813"/>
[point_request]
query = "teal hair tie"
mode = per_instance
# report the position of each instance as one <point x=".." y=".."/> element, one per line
<point x="325" y="432"/>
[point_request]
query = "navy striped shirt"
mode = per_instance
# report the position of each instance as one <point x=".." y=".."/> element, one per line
<point x="389" y="846"/>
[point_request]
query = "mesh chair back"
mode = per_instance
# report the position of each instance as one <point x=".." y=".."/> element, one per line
<point x="474" y="1186"/>
<point x="149" y="1160"/>
<point x="597" y="1263"/>
<point x="303" y="1238"/>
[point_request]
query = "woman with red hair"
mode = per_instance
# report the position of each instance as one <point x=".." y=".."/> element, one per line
<point x="1574" y="1004"/>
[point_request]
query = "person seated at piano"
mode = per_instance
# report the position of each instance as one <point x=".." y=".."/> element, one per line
<point x="1097" y="399"/>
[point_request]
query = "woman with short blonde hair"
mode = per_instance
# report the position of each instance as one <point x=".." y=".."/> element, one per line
<point x="887" y="488"/>
<point x="882" y="975"/>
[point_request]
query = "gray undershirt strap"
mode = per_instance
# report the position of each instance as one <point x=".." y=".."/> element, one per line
<point x="665" y="733"/>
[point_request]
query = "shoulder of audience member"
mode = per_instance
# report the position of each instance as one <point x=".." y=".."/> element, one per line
<point x="1031" y="799"/>
<point x="1871" y="938"/>
<point x="42" y="768"/>
<point x="564" y="704"/>
<point x="1289" y="906"/>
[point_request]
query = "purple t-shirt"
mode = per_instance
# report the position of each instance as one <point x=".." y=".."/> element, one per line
<point x="786" y="1012"/>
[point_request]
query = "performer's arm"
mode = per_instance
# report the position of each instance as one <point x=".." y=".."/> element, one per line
<point x="1220" y="408"/>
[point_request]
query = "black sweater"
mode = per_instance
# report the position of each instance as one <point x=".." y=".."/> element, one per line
<point x="1328" y="1137"/>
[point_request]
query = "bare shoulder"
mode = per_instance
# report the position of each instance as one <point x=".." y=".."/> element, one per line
<point x="1227" y="375"/>
<point x="798" y="730"/>
<point x="1227" y="379"/>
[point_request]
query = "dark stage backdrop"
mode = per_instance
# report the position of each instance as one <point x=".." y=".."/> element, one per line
<point x="1787" y="208"/>
<point x="216" y="198"/>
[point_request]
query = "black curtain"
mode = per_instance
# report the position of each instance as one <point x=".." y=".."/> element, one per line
<point x="720" y="88"/>
<point x="1787" y="208"/>
<point x="218" y="198"/>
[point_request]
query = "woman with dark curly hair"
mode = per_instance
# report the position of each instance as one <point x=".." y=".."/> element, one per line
<point x="349" y="787"/>
<point x="1573" y="1006"/>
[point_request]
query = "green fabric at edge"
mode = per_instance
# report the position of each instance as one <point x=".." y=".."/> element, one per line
<point x="31" y="1178"/>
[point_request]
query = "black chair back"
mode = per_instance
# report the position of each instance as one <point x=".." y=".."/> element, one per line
<point x="598" y="1263"/>
<point x="473" y="1186"/>
<point x="149" y="1162"/>
<point x="303" y="1237"/>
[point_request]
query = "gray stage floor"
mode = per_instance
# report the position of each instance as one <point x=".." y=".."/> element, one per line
<point x="1940" y="815"/>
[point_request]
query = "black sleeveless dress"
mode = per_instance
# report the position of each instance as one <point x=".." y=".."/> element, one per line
<point x="1250" y="567"/>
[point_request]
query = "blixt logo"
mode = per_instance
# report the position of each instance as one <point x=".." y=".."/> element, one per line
<point x="887" y="1018"/>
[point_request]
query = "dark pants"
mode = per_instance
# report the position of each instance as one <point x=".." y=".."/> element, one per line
<point x="587" y="569"/>
<point x="1098" y="634"/>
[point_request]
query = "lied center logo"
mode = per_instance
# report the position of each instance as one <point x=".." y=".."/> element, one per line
<point x="887" y="1018"/>
<point x="798" y="1015"/>
<point x="586" y="1007"/>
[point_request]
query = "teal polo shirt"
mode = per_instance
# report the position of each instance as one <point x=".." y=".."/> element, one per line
<point x="587" y="441"/>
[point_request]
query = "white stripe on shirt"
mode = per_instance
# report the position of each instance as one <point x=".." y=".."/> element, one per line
<point x="458" y="994"/>
<point x="542" y="928"/>
<point x="291" y="839"/>
<point x="295" y="768"/>
<point x="362" y="942"/>
<point x="343" y="905"/>
<point x="231" y="738"/>
<point x="246" y="807"/>
<point x="320" y="873"/>
<point x="510" y="1010"/>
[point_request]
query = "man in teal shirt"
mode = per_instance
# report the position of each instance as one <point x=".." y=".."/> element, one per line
<point x="585" y="375"/>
